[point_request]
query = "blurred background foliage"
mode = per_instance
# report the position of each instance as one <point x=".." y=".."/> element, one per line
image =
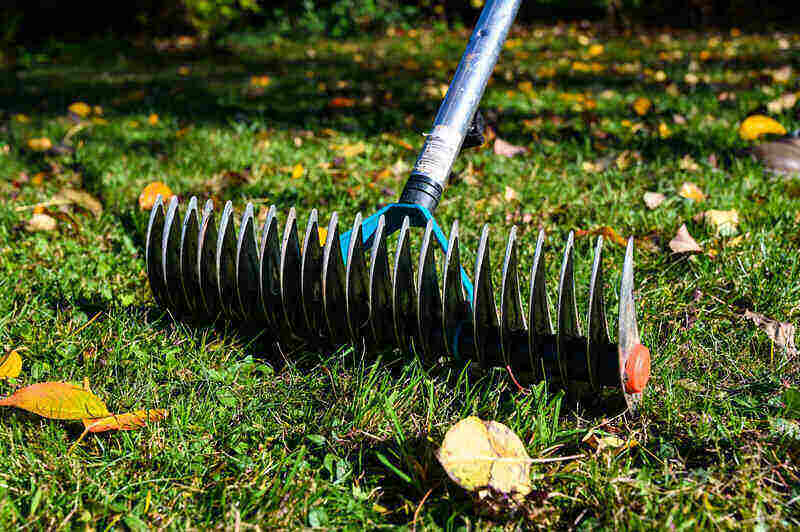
<point x="30" y="21"/>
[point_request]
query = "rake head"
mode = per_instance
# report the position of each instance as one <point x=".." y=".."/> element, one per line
<point x="335" y="292"/>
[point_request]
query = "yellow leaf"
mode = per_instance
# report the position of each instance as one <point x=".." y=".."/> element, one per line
<point x="21" y="118"/>
<point x="297" y="171"/>
<point x="98" y="110"/>
<point x="351" y="150"/>
<point x="479" y="454"/>
<point x="692" y="192"/>
<point x="152" y="119"/>
<point x="80" y="108"/>
<point x="724" y="223"/>
<point x="595" y="50"/>
<point x="57" y="400"/>
<point x="40" y="144"/>
<point x="11" y="365"/>
<point x="149" y="194"/>
<point x="663" y="130"/>
<point x="642" y="105"/>
<point x="757" y="125"/>
<point x="126" y="421"/>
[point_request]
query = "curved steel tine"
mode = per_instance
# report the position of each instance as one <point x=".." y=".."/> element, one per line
<point x="380" y="288"/>
<point x="171" y="259"/>
<point x="190" y="279"/>
<point x="512" y="319"/>
<point x="403" y="294"/>
<point x="247" y="282"/>
<point x="356" y="286"/>
<point x="311" y="279"/>
<point x="155" y="235"/>
<point x="269" y="268"/>
<point x="207" y="262"/>
<point x="596" y="324"/>
<point x="539" y="322"/>
<point x="429" y="300"/>
<point x="290" y="277"/>
<point x="333" y="279"/>
<point x="455" y="309"/>
<point x="484" y="308"/>
<point x="568" y="326"/>
<point x="628" y="335"/>
<point x="226" y="263"/>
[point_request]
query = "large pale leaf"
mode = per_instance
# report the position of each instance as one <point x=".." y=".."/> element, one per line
<point x="57" y="400"/>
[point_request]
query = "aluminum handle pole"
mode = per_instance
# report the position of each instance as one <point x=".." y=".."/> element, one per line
<point x="429" y="177"/>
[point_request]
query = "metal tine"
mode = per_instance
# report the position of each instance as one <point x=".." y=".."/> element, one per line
<point x="429" y="300"/>
<point x="484" y="308"/>
<point x="333" y="279"/>
<point x="171" y="258"/>
<point x="155" y="233"/>
<point x="628" y="335"/>
<point x="539" y="323"/>
<point x="311" y="279"/>
<point x="290" y="277"/>
<point x="269" y="268"/>
<point x="247" y="267"/>
<point x="455" y="309"/>
<point x="207" y="262"/>
<point x="190" y="279"/>
<point x="511" y="317"/>
<point x="380" y="289"/>
<point x="403" y="294"/>
<point x="226" y="263"/>
<point x="596" y="324"/>
<point x="568" y="326"/>
<point x="356" y="286"/>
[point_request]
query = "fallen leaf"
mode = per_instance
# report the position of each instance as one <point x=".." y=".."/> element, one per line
<point x="41" y="222"/>
<point x="149" y="194"/>
<point x="152" y="119"/>
<point x="684" y="243"/>
<point x="11" y="365"/>
<point x="781" y="333"/>
<point x="782" y="103"/>
<point x="606" y="232"/>
<point x="642" y="105"/>
<point x="487" y="458"/>
<point x="40" y="144"/>
<point x="81" y="198"/>
<point x="724" y="223"/>
<point x="297" y="171"/>
<point x="691" y="191"/>
<point x="757" y="125"/>
<point x="57" y="400"/>
<point x="689" y="164"/>
<point x="126" y="421"/>
<point x="506" y="149"/>
<point x="664" y="131"/>
<point x="603" y="443"/>
<point x="340" y="102"/>
<point x="653" y="199"/>
<point x="81" y="109"/>
<point x="510" y="194"/>
<point x="350" y="150"/>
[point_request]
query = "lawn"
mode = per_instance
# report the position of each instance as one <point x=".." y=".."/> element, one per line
<point x="343" y="439"/>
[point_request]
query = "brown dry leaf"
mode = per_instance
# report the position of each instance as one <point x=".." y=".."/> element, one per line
<point x="41" y="222"/>
<point x="757" y="125"/>
<point x="506" y="149"/>
<point x="782" y="103"/>
<point x="127" y="421"/>
<point x="607" y="232"/>
<point x="40" y="144"/>
<point x="691" y="191"/>
<point x="653" y="199"/>
<point x="486" y="458"/>
<point x="642" y="105"/>
<point x="149" y="194"/>
<point x="11" y="365"/>
<point x="781" y="333"/>
<point x="81" y="198"/>
<point x="57" y="400"/>
<point x="684" y="243"/>
<point x="724" y="223"/>
<point x="397" y="140"/>
<point x="689" y="164"/>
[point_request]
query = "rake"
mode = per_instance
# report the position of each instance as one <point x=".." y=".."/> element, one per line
<point x="336" y="292"/>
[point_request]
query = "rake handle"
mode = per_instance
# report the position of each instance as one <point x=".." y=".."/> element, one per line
<point x="428" y="179"/>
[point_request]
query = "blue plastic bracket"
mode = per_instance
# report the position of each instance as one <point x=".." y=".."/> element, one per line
<point x="394" y="214"/>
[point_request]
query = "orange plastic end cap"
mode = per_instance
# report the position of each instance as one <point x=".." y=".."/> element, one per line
<point x="637" y="369"/>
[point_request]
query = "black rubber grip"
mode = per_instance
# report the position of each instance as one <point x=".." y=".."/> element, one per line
<point x="423" y="191"/>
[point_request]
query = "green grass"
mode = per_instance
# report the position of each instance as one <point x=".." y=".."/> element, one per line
<point x="343" y="440"/>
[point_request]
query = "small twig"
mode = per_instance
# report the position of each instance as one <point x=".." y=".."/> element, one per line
<point x="419" y="507"/>
<point x="514" y="380"/>
<point x="49" y="203"/>
<point x="82" y="327"/>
